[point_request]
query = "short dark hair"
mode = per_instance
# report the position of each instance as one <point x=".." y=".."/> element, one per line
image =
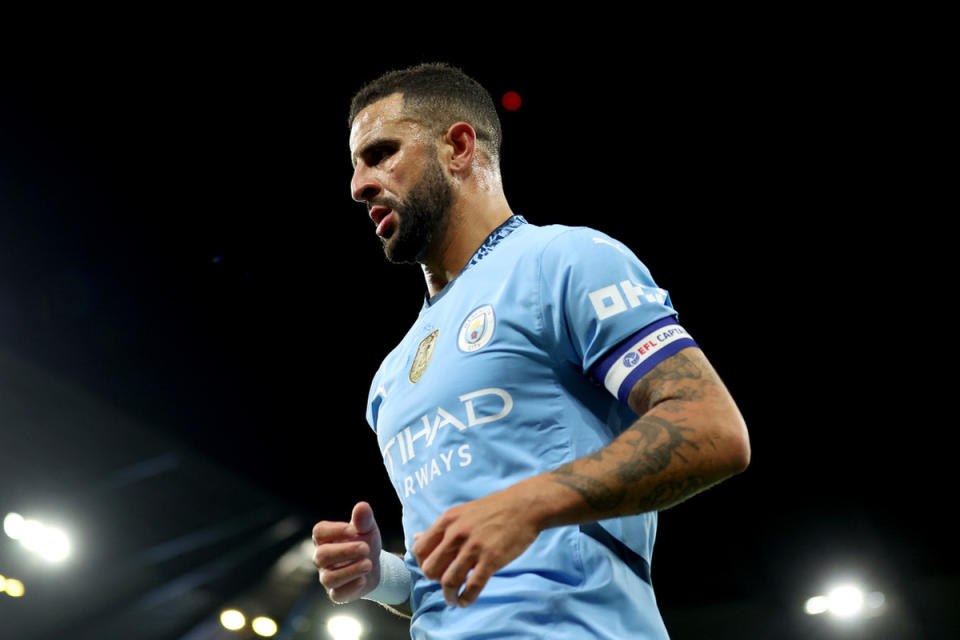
<point x="437" y="95"/>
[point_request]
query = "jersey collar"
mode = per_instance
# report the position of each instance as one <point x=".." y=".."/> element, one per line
<point x="512" y="223"/>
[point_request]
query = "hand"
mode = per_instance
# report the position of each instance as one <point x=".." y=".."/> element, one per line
<point x="483" y="536"/>
<point x="348" y="555"/>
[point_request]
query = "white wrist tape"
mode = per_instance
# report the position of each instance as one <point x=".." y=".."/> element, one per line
<point x="394" y="587"/>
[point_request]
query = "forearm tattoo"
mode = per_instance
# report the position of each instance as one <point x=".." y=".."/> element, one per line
<point x="609" y="480"/>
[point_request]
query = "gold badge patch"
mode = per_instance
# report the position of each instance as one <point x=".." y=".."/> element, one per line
<point x="422" y="359"/>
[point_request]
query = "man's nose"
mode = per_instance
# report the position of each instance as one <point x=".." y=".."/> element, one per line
<point x="362" y="186"/>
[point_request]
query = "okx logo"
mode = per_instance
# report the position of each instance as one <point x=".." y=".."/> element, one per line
<point x="608" y="301"/>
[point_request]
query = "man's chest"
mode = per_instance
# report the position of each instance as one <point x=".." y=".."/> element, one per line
<point x="458" y="379"/>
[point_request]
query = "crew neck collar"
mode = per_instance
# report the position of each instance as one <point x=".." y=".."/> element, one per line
<point x="496" y="236"/>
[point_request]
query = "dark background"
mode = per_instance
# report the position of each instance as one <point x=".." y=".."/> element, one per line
<point x="192" y="307"/>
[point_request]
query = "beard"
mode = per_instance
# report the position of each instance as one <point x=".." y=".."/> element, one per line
<point x="424" y="216"/>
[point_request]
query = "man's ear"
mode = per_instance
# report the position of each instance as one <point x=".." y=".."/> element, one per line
<point x="461" y="142"/>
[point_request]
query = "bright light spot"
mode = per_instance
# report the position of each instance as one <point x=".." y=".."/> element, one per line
<point x="54" y="545"/>
<point x="32" y="534"/>
<point x="49" y="542"/>
<point x="344" y="628"/>
<point x="2" y="581"/>
<point x="13" y="525"/>
<point x="232" y="619"/>
<point x="817" y="605"/>
<point x="14" y="588"/>
<point x="264" y="626"/>
<point x="846" y="601"/>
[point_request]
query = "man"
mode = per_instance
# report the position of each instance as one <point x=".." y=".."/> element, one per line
<point x="541" y="410"/>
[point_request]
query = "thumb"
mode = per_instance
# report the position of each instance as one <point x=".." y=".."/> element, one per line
<point x="362" y="518"/>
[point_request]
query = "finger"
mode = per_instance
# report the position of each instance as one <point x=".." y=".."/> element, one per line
<point x="328" y="555"/>
<point x="326" y="531"/>
<point x="362" y="518"/>
<point x="348" y="592"/>
<point x="475" y="583"/>
<point x="426" y="542"/>
<point x="336" y="578"/>
<point x="436" y="564"/>
<point x="454" y="576"/>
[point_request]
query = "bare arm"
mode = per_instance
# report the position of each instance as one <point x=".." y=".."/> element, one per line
<point x="690" y="435"/>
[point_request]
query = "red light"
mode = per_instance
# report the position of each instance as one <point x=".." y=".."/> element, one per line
<point x="511" y="101"/>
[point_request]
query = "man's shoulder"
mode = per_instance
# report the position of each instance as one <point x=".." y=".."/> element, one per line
<point x="560" y="235"/>
<point x="566" y="243"/>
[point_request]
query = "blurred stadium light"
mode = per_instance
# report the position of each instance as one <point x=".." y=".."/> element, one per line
<point x="344" y="628"/>
<point x="12" y="587"/>
<point x="846" y="601"/>
<point x="264" y="626"/>
<point x="48" y="542"/>
<point x="232" y="619"/>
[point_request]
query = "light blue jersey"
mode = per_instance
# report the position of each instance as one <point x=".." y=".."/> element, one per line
<point x="515" y="368"/>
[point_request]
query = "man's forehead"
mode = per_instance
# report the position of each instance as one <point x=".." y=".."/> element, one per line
<point x="382" y="119"/>
<point x="376" y="117"/>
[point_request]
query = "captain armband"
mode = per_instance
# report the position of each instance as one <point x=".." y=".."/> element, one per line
<point x="620" y="370"/>
<point x="395" y="582"/>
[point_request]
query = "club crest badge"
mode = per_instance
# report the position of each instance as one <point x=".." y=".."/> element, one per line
<point x="422" y="359"/>
<point x="477" y="330"/>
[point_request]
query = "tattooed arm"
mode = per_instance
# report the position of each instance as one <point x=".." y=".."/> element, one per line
<point x="690" y="435"/>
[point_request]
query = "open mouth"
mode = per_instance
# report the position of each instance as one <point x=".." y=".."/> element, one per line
<point x="385" y="219"/>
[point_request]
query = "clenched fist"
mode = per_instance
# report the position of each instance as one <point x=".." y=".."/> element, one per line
<point x="348" y="555"/>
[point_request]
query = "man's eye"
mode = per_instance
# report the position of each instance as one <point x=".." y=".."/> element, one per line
<point x="377" y="154"/>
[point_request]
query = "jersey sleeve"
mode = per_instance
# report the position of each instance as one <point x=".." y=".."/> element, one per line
<point x="604" y="311"/>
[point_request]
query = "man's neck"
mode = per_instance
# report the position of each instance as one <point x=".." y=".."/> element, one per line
<point x="467" y="231"/>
